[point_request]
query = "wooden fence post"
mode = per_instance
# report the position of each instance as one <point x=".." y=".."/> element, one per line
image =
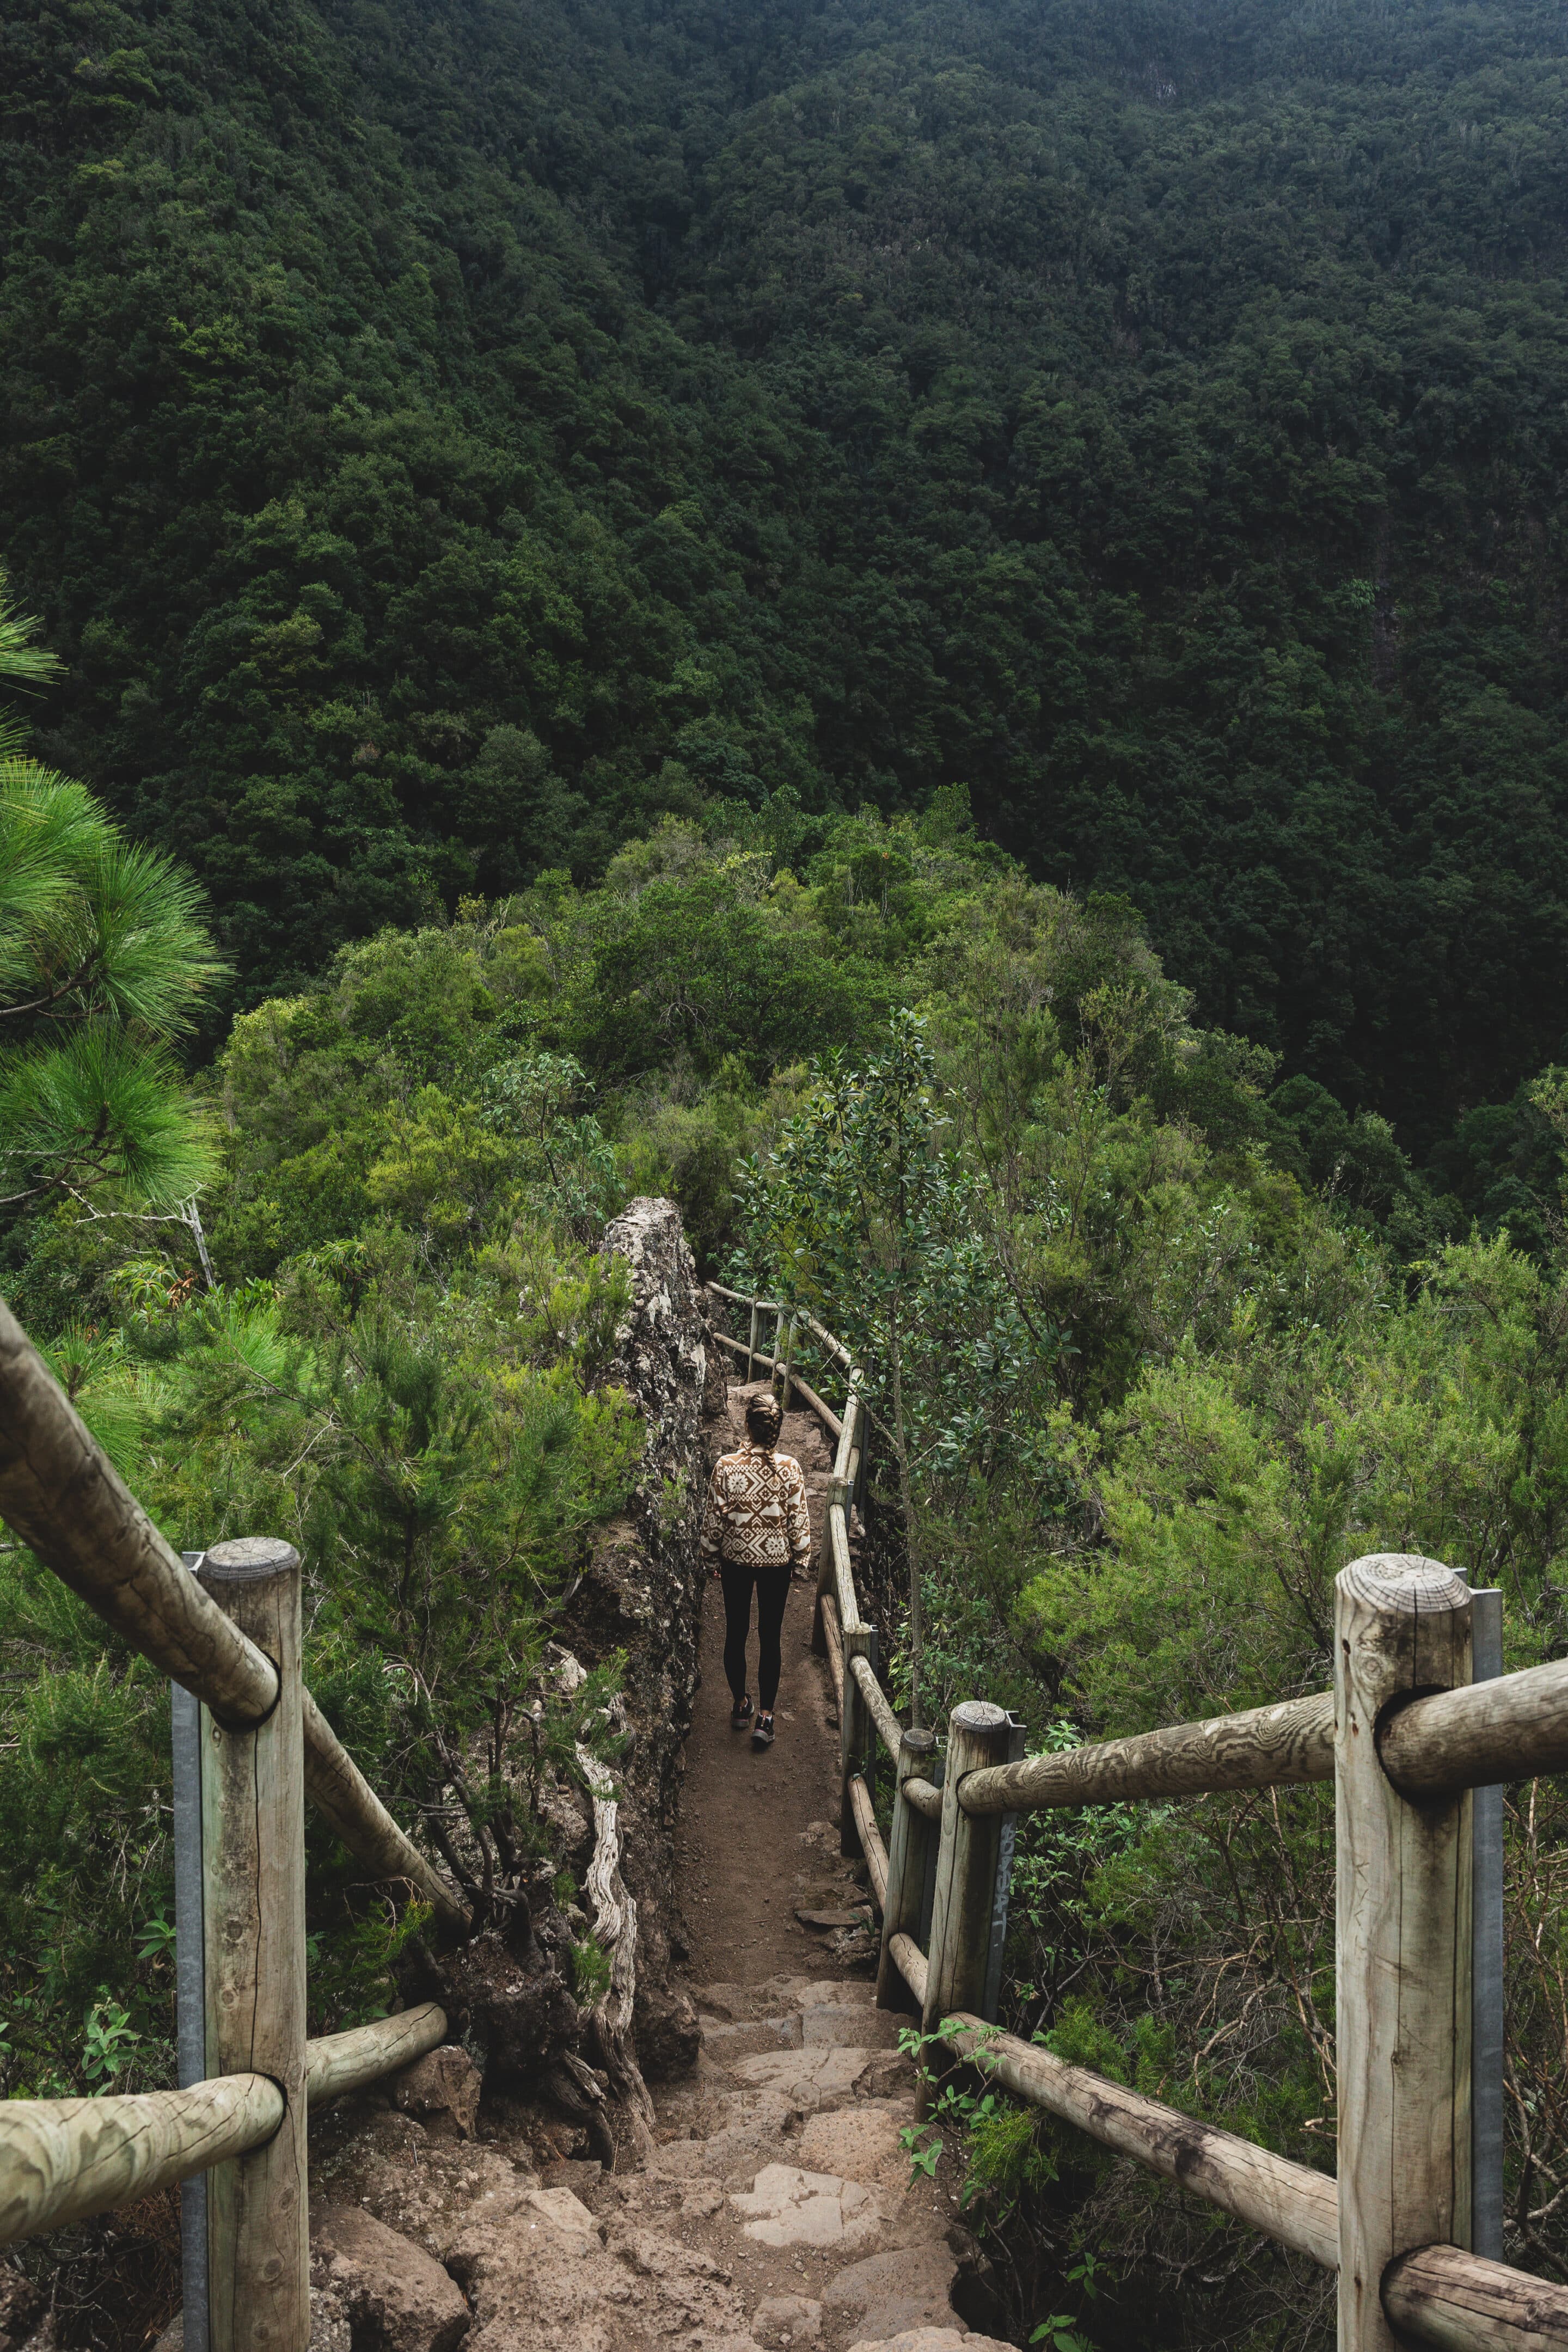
<point x="752" y="1345"/>
<point x="910" y="1836"/>
<point x="1402" y="1627"/>
<point x="854" y="1727"/>
<point x="977" y="1735"/>
<point x="784" y="1355"/>
<point x="253" y="1855"/>
<point x="190" y="1998"/>
<point x="1487" y="1967"/>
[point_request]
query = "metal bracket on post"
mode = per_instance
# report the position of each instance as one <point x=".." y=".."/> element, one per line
<point x="989" y="2006"/>
<point x="190" y="1982"/>
<point x="1487" y="1963"/>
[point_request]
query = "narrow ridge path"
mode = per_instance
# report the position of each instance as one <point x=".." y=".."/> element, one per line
<point x="745" y="1855"/>
<point x="775" y="2211"/>
<point x="780" y="2161"/>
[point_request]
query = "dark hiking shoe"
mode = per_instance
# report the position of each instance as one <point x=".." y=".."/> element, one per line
<point x="763" y="1734"/>
<point x="740" y="1713"/>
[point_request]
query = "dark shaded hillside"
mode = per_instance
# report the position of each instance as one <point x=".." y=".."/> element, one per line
<point x="442" y="438"/>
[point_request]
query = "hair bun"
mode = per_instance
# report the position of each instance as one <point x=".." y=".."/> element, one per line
<point x="764" y="1420"/>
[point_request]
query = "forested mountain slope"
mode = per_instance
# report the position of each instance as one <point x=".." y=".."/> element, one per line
<point x="442" y="437"/>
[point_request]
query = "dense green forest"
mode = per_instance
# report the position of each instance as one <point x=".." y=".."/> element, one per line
<point x="938" y="630"/>
<point x="1141" y="1388"/>
<point x="441" y="439"/>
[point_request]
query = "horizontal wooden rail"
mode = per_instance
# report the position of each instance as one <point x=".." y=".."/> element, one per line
<point x="61" y="1494"/>
<point x="1435" y="1745"/>
<point x="1443" y="2295"/>
<point x="1287" y="2201"/>
<point x="849" y="1616"/>
<point x="771" y="1306"/>
<point x="836" y="1348"/>
<point x="911" y="1963"/>
<point x="890" y="1731"/>
<point x="834" y="1646"/>
<point x="65" y="2160"/>
<point x="1264" y="1748"/>
<point x="341" y="2062"/>
<point x="1439" y="2295"/>
<point x="1507" y="1729"/>
<point x="872" y="1844"/>
<point x="824" y="1413"/>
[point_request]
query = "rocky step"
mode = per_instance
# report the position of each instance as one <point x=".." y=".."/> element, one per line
<point x="776" y="2210"/>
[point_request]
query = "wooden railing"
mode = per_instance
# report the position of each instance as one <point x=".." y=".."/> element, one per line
<point x="226" y="1628"/>
<point x="1406" y="1735"/>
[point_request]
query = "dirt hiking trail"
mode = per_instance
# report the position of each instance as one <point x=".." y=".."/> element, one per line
<point x="773" y="2210"/>
<point x="780" y="2161"/>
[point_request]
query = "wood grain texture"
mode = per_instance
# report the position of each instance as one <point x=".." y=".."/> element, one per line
<point x="846" y="1460"/>
<point x="965" y="1868"/>
<point x="827" y="1590"/>
<point x="64" y="1498"/>
<point x="1267" y="1746"/>
<point x="1442" y="2295"/>
<point x="911" y="1962"/>
<point x="855" y="1733"/>
<point x="1508" y="1729"/>
<point x="1401" y="1624"/>
<point x="1287" y="2201"/>
<point x="870" y="1836"/>
<point x="253" y="1871"/>
<point x="834" y="1648"/>
<point x="909" y="1842"/>
<point x="337" y="2064"/>
<point x="890" y="1731"/>
<point x="849" y="1617"/>
<point x="925" y="1797"/>
<point x="62" y="1495"/>
<point x="64" y="2159"/>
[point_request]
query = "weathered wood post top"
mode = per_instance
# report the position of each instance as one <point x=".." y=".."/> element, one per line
<point x="1402" y="1628"/>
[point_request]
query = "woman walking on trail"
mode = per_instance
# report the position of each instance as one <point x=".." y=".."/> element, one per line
<point x="757" y="1529"/>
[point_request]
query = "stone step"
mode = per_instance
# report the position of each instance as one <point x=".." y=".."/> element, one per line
<point x="747" y="2039"/>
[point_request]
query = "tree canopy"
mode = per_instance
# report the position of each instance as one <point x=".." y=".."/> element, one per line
<point x="442" y="441"/>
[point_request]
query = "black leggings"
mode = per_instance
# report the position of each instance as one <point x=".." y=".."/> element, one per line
<point x="773" y="1592"/>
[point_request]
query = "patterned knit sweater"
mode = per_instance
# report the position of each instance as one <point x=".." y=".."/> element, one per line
<point x="756" y="1515"/>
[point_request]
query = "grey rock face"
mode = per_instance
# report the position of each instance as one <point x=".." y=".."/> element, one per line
<point x="395" y="2297"/>
<point x="642" y="1594"/>
<point x="440" y="2091"/>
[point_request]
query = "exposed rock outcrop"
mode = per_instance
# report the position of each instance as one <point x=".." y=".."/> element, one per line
<point x="511" y="1993"/>
<point x="642" y="1593"/>
<point x="395" y="2296"/>
<point x="440" y="2091"/>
